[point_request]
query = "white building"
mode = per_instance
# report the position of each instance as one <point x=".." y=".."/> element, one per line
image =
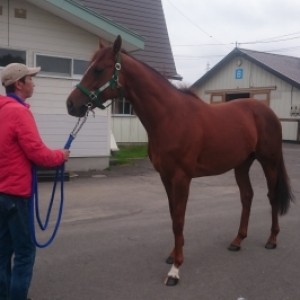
<point x="271" y="78"/>
<point x="61" y="37"/>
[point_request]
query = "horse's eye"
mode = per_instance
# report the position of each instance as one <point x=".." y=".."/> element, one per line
<point x="98" y="71"/>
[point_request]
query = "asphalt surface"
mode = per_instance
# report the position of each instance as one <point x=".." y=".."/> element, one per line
<point x="116" y="233"/>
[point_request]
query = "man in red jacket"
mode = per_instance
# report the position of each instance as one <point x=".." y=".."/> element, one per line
<point x="20" y="147"/>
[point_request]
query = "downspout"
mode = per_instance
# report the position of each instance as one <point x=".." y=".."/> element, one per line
<point x="8" y="22"/>
<point x="291" y="112"/>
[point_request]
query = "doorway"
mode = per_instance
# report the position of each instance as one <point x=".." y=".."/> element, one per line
<point x="229" y="97"/>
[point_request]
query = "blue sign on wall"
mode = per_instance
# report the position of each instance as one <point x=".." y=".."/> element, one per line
<point x="239" y="73"/>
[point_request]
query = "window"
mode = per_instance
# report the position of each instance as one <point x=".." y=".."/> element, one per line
<point x="61" y="66"/>
<point x="122" y="107"/>
<point x="262" y="96"/>
<point x="229" y="97"/>
<point x="8" y="56"/>
<point x="216" y="98"/>
<point x="79" y="66"/>
<point x="55" y="66"/>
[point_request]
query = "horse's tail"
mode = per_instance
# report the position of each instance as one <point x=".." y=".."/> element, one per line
<point x="283" y="192"/>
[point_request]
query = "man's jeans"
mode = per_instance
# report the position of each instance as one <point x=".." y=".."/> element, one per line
<point x="15" y="239"/>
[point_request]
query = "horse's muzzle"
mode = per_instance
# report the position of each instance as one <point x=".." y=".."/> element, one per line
<point x="75" y="111"/>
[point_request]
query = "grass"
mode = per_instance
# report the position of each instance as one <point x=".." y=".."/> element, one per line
<point x="127" y="154"/>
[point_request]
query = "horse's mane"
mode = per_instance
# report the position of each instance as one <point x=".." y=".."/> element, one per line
<point x="184" y="90"/>
<point x="188" y="91"/>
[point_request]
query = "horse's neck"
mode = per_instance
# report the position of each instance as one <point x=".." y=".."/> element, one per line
<point x="151" y="96"/>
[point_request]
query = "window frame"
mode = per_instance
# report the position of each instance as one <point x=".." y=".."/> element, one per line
<point x="124" y="103"/>
<point x="13" y="49"/>
<point x="76" y="75"/>
<point x="72" y="75"/>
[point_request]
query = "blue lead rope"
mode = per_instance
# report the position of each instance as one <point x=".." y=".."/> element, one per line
<point x="34" y="200"/>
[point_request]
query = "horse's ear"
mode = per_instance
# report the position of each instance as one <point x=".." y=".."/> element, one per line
<point x="117" y="44"/>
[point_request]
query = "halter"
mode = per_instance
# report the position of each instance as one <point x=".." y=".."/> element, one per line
<point x="113" y="83"/>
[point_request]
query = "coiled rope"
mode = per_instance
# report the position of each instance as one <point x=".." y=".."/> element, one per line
<point x="59" y="178"/>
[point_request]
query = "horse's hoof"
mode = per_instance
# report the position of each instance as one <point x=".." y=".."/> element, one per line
<point x="171" y="281"/>
<point x="234" y="248"/>
<point x="270" y="245"/>
<point x="170" y="260"/>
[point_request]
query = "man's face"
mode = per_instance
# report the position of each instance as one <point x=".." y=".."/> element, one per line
<point x="25" y="88"/>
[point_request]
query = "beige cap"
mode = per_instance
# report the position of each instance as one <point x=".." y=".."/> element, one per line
<point x="15" y="71"/>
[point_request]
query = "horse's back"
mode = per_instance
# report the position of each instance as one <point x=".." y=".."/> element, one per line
<point x="263" y="116"/>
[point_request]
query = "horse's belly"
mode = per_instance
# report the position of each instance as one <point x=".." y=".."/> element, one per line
<point x="218" y="162"/>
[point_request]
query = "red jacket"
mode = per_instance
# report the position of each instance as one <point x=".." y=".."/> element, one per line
<point x="20" y="147"/>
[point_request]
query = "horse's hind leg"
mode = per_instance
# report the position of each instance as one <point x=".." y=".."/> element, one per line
<point x="246" y="194"/>
<point x="271" y="173"/>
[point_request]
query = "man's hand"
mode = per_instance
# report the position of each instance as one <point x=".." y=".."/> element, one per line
<point x="66" y="153"/>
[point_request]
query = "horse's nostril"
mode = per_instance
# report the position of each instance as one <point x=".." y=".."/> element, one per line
<point x="70" y="105"/>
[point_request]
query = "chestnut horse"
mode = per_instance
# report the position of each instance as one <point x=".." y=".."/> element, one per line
<point x="189" y="138"/>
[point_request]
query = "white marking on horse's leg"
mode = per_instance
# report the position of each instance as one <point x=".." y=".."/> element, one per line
<point x="174" y="272"/>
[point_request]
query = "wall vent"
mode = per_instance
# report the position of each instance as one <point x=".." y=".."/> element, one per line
<point x="20" y="13"/>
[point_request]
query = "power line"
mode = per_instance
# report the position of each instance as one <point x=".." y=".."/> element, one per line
<point x="191" y="21"/>
<point x="198" y="45"/>
<point x="281" y="36"/>
<point x="197" y="57"/>
<point x="283" y="49"/>
<point x="269" y="42"/>
<point x="275" y="39"/>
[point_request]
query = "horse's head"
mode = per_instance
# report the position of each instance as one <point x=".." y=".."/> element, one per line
<point x="100" y="81"/>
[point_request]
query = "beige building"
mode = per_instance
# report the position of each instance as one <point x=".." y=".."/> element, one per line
<point x="271" y="78"/>
<point x="61" y="36"/>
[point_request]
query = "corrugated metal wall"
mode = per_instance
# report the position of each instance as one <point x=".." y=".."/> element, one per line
<point x="43" y="33"/>
<point x="282" y="95"/>
<point x="128" y="129"/>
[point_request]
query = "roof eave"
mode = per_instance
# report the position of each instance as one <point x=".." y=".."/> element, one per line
<point x="218" y="66"/>
<point x="271" y="70"/>
<point x="94" y="23"/>
<point x="175" y="77"/>
<point x="238" y="52"/>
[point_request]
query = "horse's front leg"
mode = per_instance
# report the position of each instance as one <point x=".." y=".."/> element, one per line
<point x="177" y="189"/>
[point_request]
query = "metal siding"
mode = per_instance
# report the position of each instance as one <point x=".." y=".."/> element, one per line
<point x="49" y="34"/>
<point x="44" y="33"/>
<point x="290" y="130"/>
<point x="3" y="24"/>
<point x="91" y="141"/>
<point x="287" y="67"/>
<point x="128" y="130"/>
<point x="281" y="98"/>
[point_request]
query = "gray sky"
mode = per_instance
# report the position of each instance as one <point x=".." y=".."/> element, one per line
<point x="202" y="32"/>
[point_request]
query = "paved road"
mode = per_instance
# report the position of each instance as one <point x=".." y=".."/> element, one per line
<point x="116" y="233"/>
